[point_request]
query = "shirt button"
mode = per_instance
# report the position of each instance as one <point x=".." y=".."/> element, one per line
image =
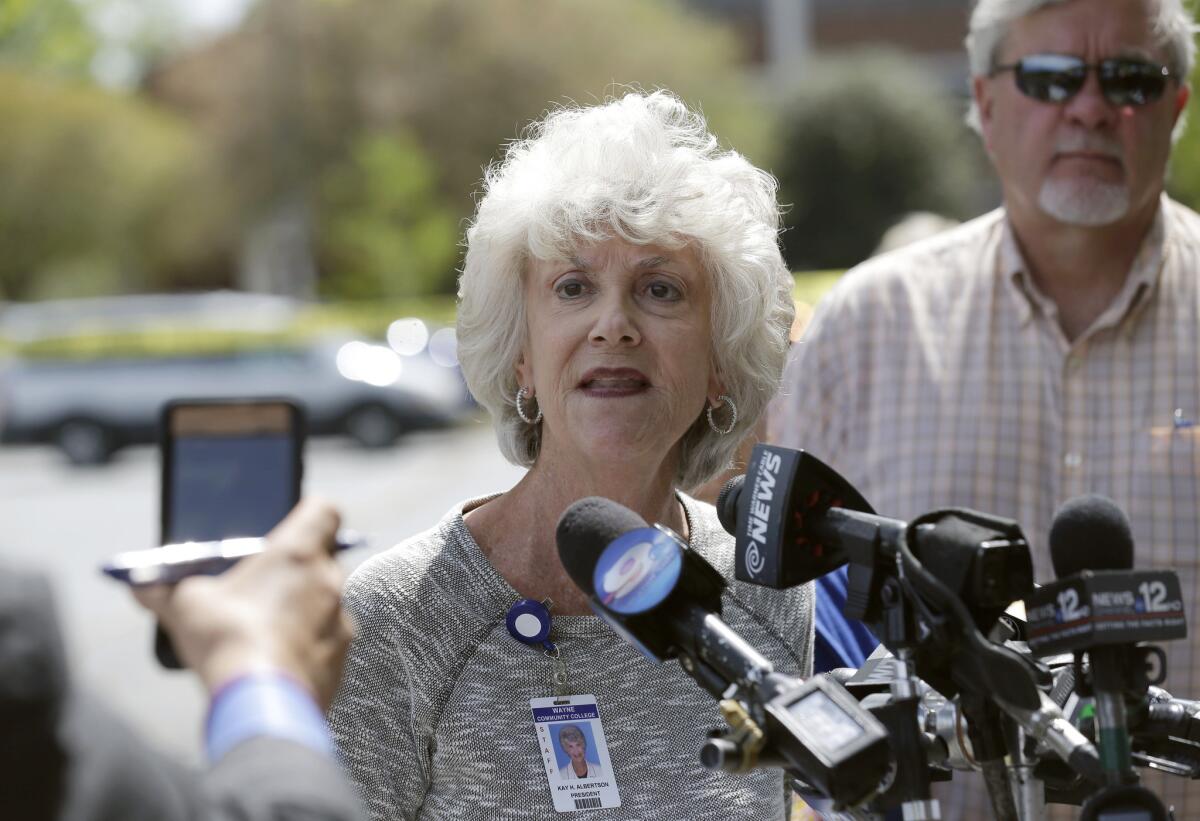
<point x="1071" y="461"/>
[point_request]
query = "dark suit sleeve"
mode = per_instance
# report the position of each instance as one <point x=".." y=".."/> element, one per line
<point x="68" y="757"/>
<point x="113" y="775"/>
<point x="271" y="779"/>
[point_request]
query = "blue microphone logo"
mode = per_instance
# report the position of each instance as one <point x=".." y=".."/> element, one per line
<point x="638" y="570"/>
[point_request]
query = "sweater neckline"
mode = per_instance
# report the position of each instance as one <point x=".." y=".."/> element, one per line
<point x="496" y="594"/>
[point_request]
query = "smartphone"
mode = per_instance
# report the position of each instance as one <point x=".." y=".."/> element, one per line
<point x="231" y="468"/>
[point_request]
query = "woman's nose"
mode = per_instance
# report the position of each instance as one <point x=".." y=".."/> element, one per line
<point x="615" y="324"/>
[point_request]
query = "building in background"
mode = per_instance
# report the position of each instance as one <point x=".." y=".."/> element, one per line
<point x="778" y="34"/>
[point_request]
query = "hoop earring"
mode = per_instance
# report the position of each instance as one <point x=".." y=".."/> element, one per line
<point x="724" y="400"/>
<point x="520" y="401"/>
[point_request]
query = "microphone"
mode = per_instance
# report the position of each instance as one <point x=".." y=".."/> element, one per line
<point x="776" y="512"/>
<point x="1090" y="533"/>
<point x="1099" y="607"/>
<point x="794" y="518"/>
<point x="665" y="599"/>
<point x="1098" y="600"/>
<point x="656" y="593"/>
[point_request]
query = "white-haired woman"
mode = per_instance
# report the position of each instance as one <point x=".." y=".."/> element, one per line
<point x="623" y="316"/>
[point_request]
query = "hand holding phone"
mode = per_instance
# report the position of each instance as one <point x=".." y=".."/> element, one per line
<point x="279" y="609"/>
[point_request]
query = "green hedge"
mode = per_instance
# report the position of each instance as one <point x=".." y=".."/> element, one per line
<point x="369" y="319"/>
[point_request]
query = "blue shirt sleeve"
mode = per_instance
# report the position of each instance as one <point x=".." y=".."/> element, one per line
<point x="840" y="642"/>
<point x="264" y="704"/>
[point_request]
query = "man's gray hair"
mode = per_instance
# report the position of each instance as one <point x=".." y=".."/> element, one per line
<point x="991" y="20"/>
<point x="645" y="169"/>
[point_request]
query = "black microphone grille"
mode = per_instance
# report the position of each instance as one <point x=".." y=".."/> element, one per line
<point x="1090" y="533"/>
<point x="585" y="529"/>
<point x="727" y="502"/>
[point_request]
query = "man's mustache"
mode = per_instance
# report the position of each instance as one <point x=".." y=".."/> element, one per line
<point x="1080" y="141"/>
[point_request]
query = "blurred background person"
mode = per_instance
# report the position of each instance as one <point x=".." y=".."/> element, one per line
<point x="1048" y="348"/>
<point x="267" y="640"/>
<point x="623" y="316"/>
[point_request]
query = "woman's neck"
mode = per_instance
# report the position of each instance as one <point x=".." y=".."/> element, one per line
<point x="517" y="529"/>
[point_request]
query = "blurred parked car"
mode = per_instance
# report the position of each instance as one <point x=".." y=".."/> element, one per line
<point x="90" y="409"/>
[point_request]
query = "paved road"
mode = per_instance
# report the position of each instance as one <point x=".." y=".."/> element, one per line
<point x="66" y="521"/>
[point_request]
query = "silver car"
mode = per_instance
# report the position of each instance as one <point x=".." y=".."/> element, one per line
<point x="89" y="409"/>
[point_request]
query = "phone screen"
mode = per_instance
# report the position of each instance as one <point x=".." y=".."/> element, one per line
<point x="230" y="469"/>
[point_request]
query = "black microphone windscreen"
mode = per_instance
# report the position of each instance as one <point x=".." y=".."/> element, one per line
<point x="585" y="529"/>
<point x="1090" y="533"/>
<point x="727" y="502"/>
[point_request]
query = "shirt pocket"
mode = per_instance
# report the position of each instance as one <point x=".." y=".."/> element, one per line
<point x="1174" y="452"/>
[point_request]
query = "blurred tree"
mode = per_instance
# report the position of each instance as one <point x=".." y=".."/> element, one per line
<point x="1183" y="177"/>
<point x="53" y="35"/>
<point x="865" y="139"/>
<point x="289" y="99"/>
<point x="98" y="191"/>
<point x="382" y="233"/>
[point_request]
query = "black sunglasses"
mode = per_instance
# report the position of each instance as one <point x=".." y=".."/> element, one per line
<point x="1056" y="78"/>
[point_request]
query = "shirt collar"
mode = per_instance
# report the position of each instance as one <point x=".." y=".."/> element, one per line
<point x="1143" y="275"/>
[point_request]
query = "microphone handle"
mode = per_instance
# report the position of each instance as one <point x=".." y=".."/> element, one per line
<point x="1048" y="725"/>
<point x="717" y="645"/>
<point x="1112" y="729"/>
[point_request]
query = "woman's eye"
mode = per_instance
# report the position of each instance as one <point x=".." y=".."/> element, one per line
<point x="570" y="289"/>
<point x="664" y="290"/>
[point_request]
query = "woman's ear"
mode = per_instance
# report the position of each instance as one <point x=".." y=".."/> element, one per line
<point x="524" y="373"/>
<point x="716" y="387"/>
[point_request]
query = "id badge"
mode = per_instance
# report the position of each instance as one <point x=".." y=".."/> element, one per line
<point x="575" y="753"/>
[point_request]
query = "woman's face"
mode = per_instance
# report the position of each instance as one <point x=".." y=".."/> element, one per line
<point x="574" y="747"/>
<point x="619" y="349"/>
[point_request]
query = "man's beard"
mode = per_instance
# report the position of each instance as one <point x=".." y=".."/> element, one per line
<point x="1084" y="201"/>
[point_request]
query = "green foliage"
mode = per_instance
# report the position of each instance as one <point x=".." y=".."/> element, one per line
<point x="296" y="100"/>
<point x="375" y="117"/>
<point x="812" y="285"/>
<point x="98" y="191"/>
<point x="865" y="139"/>
<point x="384" y="229"/>
<point x="52" y="35"/>
<point x="368" y="319"/>
<point x="1183" y="177"/>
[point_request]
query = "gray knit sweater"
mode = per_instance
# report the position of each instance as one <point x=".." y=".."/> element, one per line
<point x="433" y="718"/>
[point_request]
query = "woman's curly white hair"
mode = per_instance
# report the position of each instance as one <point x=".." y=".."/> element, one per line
<point x="645" y="169"/>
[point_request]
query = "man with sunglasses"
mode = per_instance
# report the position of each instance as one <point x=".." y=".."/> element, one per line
<point x="1050" y="348"/>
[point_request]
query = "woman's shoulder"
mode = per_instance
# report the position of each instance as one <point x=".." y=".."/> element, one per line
<point x="707" y="537"/>
<point x="426" y="573"/>
<point x="397" y="566"/>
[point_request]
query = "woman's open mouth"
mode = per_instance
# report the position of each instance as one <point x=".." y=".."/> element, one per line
<point x="613" y="382"/>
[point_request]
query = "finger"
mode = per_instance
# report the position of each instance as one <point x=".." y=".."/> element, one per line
<point x="310" y="528"/>
<point x="154" y="597"/>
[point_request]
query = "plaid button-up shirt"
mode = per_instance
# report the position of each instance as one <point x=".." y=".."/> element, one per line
<point x="938" y="376"/>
